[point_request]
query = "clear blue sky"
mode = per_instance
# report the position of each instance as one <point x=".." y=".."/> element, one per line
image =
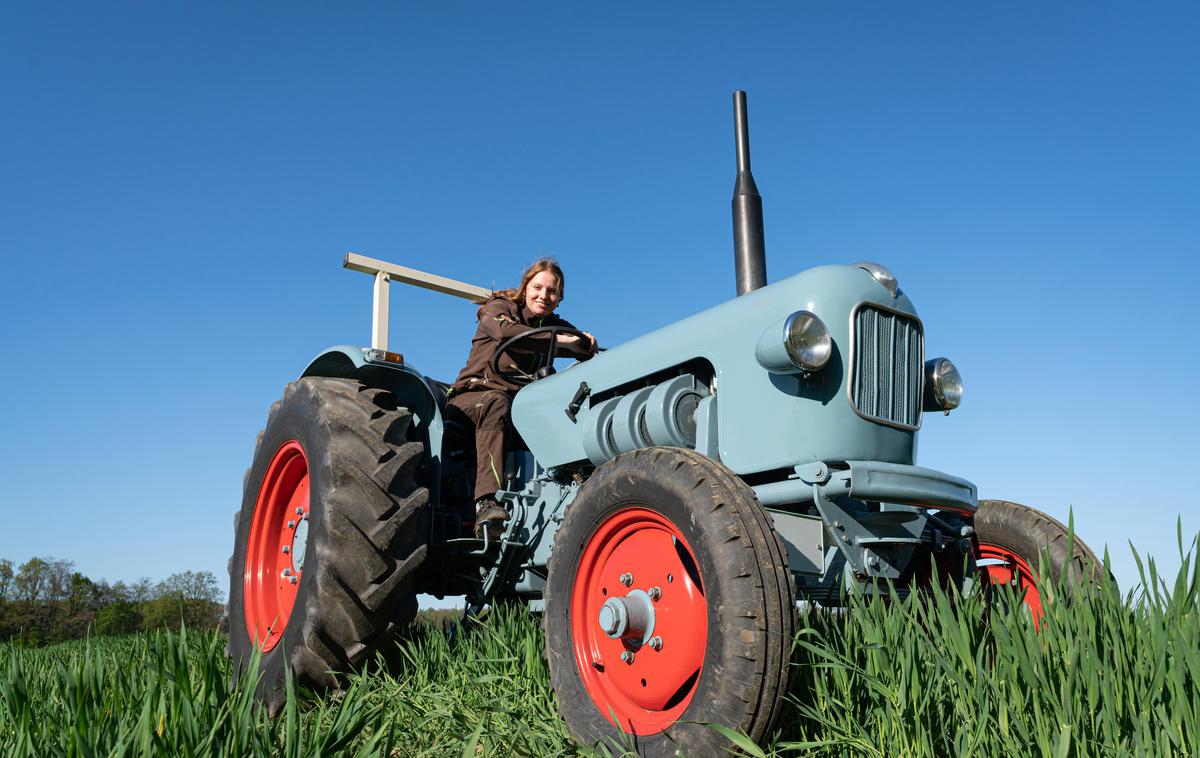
<point x="179" y="185"/>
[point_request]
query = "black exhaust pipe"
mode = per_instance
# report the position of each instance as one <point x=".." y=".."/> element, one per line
<point x="749" y="250"/>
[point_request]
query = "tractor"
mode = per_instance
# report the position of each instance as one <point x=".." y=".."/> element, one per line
<point x="673" y="500"/>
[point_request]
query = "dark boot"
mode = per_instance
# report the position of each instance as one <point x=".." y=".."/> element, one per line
<point x="491" y="516"/>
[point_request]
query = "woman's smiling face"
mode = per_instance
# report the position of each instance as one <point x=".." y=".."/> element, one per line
<point x="541" y="294"/>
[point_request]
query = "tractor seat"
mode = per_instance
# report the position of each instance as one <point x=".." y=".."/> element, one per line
<point x="439" y="390"/>
<point x="458" y="434"/>
<point x="454" y="430"/>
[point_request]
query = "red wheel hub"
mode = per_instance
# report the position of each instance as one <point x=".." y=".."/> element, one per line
<point x="1006" y="567"/>
<point x="275" y="549"/>
<point x="642" y="683"/>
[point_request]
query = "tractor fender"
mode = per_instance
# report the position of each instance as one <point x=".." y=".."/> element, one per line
<point x="410" y="387"/>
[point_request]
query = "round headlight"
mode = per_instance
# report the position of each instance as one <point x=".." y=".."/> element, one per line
<point x="943" y="385"/>
<point x="806" y="341"/>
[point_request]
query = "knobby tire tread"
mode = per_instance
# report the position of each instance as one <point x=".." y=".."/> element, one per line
<point x="1027" y="531"/>
<point x="367" y="545"/>
<point x="769" y="546"/>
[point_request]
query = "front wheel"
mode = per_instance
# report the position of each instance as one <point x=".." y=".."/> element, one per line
<point x="669" y="604"/>
<point x="1013" y="541"/>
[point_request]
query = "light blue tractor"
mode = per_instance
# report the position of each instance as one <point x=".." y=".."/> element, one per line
<point x="677" y="495"/>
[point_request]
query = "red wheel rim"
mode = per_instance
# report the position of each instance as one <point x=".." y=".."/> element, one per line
<point x="651" y="692"/>
<point x="1006" y="567"/>
<point x="275" y="547"/>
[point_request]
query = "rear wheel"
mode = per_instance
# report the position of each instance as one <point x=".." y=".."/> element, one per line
<point x="327" y="543"/>
<point x="1013" y="541"/>
<point x="669" y="604"/>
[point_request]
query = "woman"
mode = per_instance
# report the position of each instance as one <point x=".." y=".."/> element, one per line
<point x="481" y="399"/>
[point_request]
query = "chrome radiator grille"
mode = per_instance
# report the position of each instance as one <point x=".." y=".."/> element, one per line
<point x="888" y="363"/>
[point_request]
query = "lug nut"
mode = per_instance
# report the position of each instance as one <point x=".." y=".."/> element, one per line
<point x="299" y="511"/>
<point x="287" y="549"/>
<point x="293" y="580"/>
<point x="627" y="657"/>
<point x="291" y="524"/>
<point x="287" y="572"/>
<point x="627" y="579"/>
<point x="655" y="593"/>
<point x="655" y="643"/>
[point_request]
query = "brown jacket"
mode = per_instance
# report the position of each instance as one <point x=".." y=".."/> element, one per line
<point x="500" y="320"/>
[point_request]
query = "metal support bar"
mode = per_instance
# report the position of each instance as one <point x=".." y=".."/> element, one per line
<point x="405" y="275"/>
<point x="874" y="480"/>
<point x="897" y="483"/>
<point x="385" y="272"/>
<point x="876" y="541"/>
<point x="872" y="548"/>
<point x="379" y="311"/>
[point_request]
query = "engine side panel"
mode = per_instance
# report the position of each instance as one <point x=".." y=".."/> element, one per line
<point x="765" y="420"/>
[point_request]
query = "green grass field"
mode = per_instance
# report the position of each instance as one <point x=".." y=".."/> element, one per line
<point x="934" y="675"/>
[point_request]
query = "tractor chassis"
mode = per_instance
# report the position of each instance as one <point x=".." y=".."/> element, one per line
<point x="866" y="516"/>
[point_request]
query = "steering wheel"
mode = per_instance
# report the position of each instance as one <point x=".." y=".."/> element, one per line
<point x="547" y="368"/>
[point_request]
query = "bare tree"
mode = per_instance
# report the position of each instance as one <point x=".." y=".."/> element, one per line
<point x="106" y="593"/>
<point x="191" y="585"/>
<point x="141" y="590"/>
<point x="59" y="575"/>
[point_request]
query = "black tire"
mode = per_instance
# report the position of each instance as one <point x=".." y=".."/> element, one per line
<point x="1030" y="534"/>
<point x="363" y="547"/>
<point x="749" y="593"/>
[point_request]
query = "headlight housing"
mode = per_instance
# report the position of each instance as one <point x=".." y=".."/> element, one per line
<point x="798" y="343"/>
<point x="943" y="385"/>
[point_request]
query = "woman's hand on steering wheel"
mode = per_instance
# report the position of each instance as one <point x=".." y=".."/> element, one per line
<point x="570" y="340"/>
<point x="555" y="337"/>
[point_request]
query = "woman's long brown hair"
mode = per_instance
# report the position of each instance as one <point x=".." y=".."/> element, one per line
<point x="517" y="295"/>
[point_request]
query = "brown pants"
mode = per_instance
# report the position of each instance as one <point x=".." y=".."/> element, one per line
<point x="487" y="412"/>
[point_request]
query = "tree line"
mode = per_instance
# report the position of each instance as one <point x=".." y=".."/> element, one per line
<point x="46" y="600"/>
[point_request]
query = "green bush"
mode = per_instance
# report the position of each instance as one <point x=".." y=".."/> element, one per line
<point x="117" y="619"/>
<point x="176" y="612"/>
